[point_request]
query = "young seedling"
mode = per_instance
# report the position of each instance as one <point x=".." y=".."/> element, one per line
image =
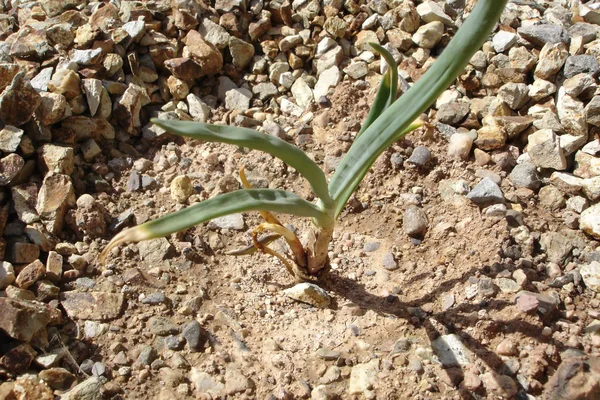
<point x="387" y="121"/>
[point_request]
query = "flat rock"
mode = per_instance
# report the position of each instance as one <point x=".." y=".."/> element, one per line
<point x="538" y="35"/>
<point x="90" y="389"/>
<point x="363" y="377"/>
<point x="544" y="150"/>
<point x="451" y="351"/>
<point x="97" y="306"/>
<point x="154" y="251"/>
<point x="232" y="221"/>
<point x="10" y="138"/>
<point x="308" y="293"/>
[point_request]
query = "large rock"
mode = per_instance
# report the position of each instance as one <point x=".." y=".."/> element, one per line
<point x="428" y="35"/>
<point x="486" y="193"/>
<point x="97" y="306"/>
<point x="308" y="293"/>
<point x="544" y="150"/>
<point x="18" y="102"/>
<point x="575" y="378"/>
<point x="541" y="34"/>
<point x="56" y="197"/>
<point x="204" y="53"/>
<point x="552" y="58"/>
<point x="241" y="52"/>
<point x="590" y="273"/>
<point x="451" y="351"/>
<point x="22" y="320"/>
<point x="128" y="106"/>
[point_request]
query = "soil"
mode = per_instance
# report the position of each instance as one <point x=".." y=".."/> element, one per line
<point x="391" y="316"/>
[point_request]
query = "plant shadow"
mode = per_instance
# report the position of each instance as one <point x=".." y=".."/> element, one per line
<point x="434" y="322"/>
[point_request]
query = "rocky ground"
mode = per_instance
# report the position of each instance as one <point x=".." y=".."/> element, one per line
<point x="465" y="266"/>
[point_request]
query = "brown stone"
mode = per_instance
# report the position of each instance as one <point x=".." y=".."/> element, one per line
<point x="54" y="266"/>
<point x="204" y="53"/>
<point x="7" y="74"/>
<point x="53" y="108"/>
<point x="23" y="319"/>
<point x="97" y="306"/>
<point x="55" y="198"/>
<point x="128" y="106"/>
<point x="82" y="128"/>
<point x="65" y="82"/>
<point x="10" y="167"/>
<point x="18" y="359"/>
<point x="57" y="378"/>
<point x="490" y="138"/>
<point x="18" y="101"/>
<point x="184" y="68"/>
<point x="22" y="253"/>
<point x="24" y="200"/>
<point x="30" y="274"/>
<point x="29" y="387"/>
<point x="57" y="159"/>
<point x="575" y="378"/>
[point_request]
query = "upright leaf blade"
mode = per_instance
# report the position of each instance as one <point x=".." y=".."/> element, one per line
<point x="396" y="120"/>
<point x="388" y="88"/>
<point x="252" y="139"/>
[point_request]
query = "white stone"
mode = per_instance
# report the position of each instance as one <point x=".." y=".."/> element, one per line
<point x="238" y="99"/>
<point x="7" y="274"/>
<point x="302" y="93"/>
<point x="590" y="274"/>
<point x="451" y="351"/>
<point x="328" y="79"/>
<point x="428" y="35"/>
<point x="308" y="293"/>
<point x="198" y="109"/>
<point x="232" y="221"/>
<point x="504" y="40"/>
<point x="363" y="377"/>
<point x="430" y="11"/>
<point x="290" y="108"/>
<point x="571" y="143"/>
<point x="589" y="221"/>
<point x="460" y="145"/>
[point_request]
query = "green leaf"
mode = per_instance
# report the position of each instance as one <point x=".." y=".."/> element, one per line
<point x="235" y="202"/>
<point x="225" y="204"/>
<point x="388" y="88"/>
<point x="397" y="119"/>
<point x="252" y="139"/>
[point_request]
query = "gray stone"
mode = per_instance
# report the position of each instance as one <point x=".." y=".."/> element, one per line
<point x="90" y="389"/>
<point x="525" y="175"/>
<point x="154" y="298"/>
<point x="592" y="111"/>
<point x="195" y="336"/>
<point x="544" y="150"/>
<point x="154" y="251"/>
<point x="161" y="326"/>
<point x="213" y="33"/>
<point x="265" y="90"/>
<point x="147" y="355"/>
<point x="420" y="156"/>
<point x="538" y="35"/>
<point x="486" y="193"/>
<point x="308" y="293"/>
<point x="452" y="113"/>
<point x="414" y="221"/>
<point x="238" y="99"/>
<point x="86" y="57"/>
<point x="557" y="246"/>
<point x="232" y="221"/>
<point x="451" y="351"/>
<point x="580" y="64"/>
<point x="388" y="261"/>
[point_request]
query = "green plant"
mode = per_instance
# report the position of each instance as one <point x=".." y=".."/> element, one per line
<point x="387" y="121"/>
